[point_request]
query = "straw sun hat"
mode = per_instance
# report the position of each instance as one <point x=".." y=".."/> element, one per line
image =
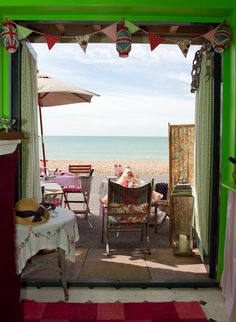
<point x="30" y="212"/>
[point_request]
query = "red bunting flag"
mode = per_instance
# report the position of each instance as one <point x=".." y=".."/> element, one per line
<point x="51" y="40"/>
<point x="110" y="31"/>
<point x="154" y="40"/>
<point x="210" y="35"/>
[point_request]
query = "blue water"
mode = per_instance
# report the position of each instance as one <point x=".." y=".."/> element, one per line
<point x="105" y="148"/>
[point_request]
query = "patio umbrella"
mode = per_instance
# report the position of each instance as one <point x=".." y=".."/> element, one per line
<point x="53" y="92"/>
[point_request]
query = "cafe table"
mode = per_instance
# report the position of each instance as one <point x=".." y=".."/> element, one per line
<point x="59" y="233"/>
<point x="67" y="180"/>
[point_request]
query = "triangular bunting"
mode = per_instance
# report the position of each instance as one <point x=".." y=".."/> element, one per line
<point x="184" y="46"/>
<point x="154" y="40"/>
<point x="51" y="40"/>
<point x="110" y="31"/>
<point x="83" y="41"/>
<point x="132" y="28"/>
<point x="23" y="32"/>
<point x="210" y="35"/>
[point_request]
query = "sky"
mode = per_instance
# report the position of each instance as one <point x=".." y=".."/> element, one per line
<point x="139" y="95"/>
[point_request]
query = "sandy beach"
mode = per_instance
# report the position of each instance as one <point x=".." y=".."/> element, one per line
<point x="140" y="168"/>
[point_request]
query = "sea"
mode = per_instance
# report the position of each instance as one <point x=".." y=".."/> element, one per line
<point x="105" y="148"/>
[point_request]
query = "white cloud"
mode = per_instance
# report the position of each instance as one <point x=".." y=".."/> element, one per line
<point x="139" y="95"/>
<point x="110" y="115"/>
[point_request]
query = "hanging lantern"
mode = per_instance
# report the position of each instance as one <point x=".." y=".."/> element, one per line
<point x="221" y="38"/>
<point x="123" y="42"/>
<point x="9" y="38"/>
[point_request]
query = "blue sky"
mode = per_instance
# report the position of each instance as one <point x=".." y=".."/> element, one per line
<point x="139" y="95"/>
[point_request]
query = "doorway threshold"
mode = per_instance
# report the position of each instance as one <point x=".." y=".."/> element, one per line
<point x="92" y="283"/>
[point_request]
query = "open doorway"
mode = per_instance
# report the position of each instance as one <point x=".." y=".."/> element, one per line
<point x="119" y="117"/>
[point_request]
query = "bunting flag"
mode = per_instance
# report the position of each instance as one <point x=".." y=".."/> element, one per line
<point x="210" y="35"/>
<point x="9" y="37"/>
<point x="83" y="41"/>
<point x="222" y="38"/>
<point x="154" y="40"/>
<point x="110" y="31"/>
<point x="11" y="33"/>
<point x="51" y="40"/>
<point x="132" y="28"/>
<point x="184" y="46"/>
<point x="23" y="32"/>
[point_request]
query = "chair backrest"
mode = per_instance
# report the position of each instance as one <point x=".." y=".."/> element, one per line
<point x="86" y="183"/>
<point x="162" y="187"/>
<point x="80" y="168"/>
<point x="124" y="201"/>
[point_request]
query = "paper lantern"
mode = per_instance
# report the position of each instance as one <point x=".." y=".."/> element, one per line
<point x="123" y="42"/>
<point x="221" y="38"/>
<point x="9" y="38"/>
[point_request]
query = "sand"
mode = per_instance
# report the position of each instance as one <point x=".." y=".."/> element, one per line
<point x="140" y="168"/>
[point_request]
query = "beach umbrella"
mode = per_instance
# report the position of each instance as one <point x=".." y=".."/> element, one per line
<point x="54" y="92"/>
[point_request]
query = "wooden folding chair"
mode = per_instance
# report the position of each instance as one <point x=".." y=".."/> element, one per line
<point x="84" y="169"/>
<point x="73" y="194"/>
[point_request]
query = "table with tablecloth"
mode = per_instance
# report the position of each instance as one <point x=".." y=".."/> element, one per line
<point x="68" y="180"/>
<point x="60" y="232"/>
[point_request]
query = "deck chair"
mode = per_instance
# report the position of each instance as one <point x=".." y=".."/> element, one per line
<point x="128" y="209"/>
<point x="79" y="195"/>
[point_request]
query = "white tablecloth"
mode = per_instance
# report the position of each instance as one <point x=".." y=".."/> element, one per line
<point x="60" y="231"/>
<point x="67" y="180"/>
<point x="51" y="186"/>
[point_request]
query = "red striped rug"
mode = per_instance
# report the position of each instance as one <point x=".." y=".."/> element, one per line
<point x="114" y="312"/>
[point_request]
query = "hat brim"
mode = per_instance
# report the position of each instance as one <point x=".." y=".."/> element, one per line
<point x="29" y="220"/>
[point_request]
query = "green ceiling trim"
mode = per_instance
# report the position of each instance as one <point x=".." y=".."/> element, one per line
<point x="111" y="18"/>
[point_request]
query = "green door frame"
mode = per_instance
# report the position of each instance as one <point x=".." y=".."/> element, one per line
<point x="150" y="11"/>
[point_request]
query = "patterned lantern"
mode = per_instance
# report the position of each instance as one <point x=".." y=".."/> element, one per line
<point x="9" y="38"/>
<point x="221" y="38"/>
<point x="123" y="42"/>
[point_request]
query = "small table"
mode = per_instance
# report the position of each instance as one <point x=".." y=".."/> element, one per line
<point x="60" y="232"/>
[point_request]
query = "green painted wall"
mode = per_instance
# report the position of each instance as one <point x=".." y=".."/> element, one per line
<point x="150" y="11"/>
<point x="228" y="131"/>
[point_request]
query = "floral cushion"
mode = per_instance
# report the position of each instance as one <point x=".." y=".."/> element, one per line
<point x="156" y="196"/>
<point x="126" y="211"/>
<point x="125" y="178"/>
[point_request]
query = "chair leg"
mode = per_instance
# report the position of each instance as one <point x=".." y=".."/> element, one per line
<point x="158" y="226"/>
<point x="155" y="218"/>
<point x="106" y="235"/>
<point x="142" y="234"/>
<point x="147" y="239"/>
<point x="86" y="199"/>
<point x="107" y="244"/>
<point x="66" y="203"/>
<point x="103" y="226"/>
